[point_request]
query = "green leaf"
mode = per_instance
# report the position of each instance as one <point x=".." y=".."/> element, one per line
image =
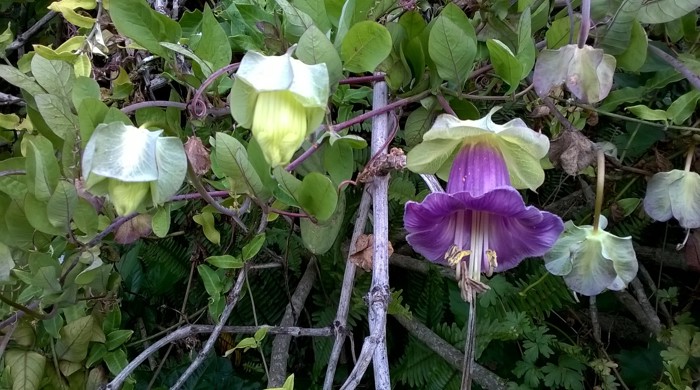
<point x="682" y="108"/>
<point x="317" y="196"/>
<point x="83" y="88"/>
<point x="85" y="217"/>
<point x="623" y="95"/>
<point x="56" y="77"/>
<point x="26" y="369"/>
<point x="505" y="64"/>
<point x="635" y="56"/>
<point x="20" y="80"/>
<point x="138" y="21"/>
<point x="6" y="263"/>
<point x="646" y="113"/>
<point x="319" y="237"/>
<point x="526" y="44"/>
<point x="6" y="38"/>
<point x="225" y="262"/>
<point x="212" y="281"/>
<point x="295" y="21"/>
<point x="315" y="48"/>
<point x="252" y="248"/>
<point x="557" y="35"/>
<point x="116" y="360"/>
<point x="339" y="162"/>
<point x="62" y="204"/>
<point x="619" y="30"/>
<point x="89" y="274"/>
<point x="206" y="220"/>
<point x="42" y="167"/>
<point x="232" y="159"/>
<point x="160" y="223"/>
<point x="57" y="114"/>
<point x="213" y="45"/>
<point x="365" y="46"/>
<point x="96" y="354"/>
<point x="75" y="337"/>
<point x="117" y="337"/>
<point x="316" y="9"/>
<point x="38" y="216"/>
<point x="663" y="11"/>
<point x="452" y="45"/>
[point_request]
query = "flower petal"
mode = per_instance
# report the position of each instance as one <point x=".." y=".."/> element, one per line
<point x="685" y="200"/>
<point x="657" y="202"/>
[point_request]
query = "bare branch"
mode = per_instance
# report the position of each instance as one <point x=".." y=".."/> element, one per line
<point x="192" y="330"/>
<point x="6" y="100"/>
<point x="482" y="376"/>
<point x="24" y="37"/>
<point x="231" y="299"/>
<point x="341" y="316"/>
<point x="280" y="346"/>
<point x="379" y="292"/>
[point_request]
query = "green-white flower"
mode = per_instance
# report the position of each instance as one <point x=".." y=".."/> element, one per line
<point x="281" y="100"/>
<point x="592" y="260"/>
<point x="674" y="194"/>
<point x="130" y="163"/>
<point x="522" y="148"/>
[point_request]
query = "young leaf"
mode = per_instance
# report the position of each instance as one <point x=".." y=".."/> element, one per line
<point x="206" y="220"/>
<point x="232" y="159"/>
<point x="315" y="48"/>
<point x="213" y="45"/>
<point x="160" y="224"/>
<point x="212" y="282"/>
<point x="505" y="64"/>
<point x="225" y="262"/>
<point x="252" y="248"/>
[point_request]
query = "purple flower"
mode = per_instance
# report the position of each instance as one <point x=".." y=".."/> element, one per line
<point x="480" y="215"/>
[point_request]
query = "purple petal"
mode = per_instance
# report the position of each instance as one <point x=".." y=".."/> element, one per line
<point x="477" y="169"/>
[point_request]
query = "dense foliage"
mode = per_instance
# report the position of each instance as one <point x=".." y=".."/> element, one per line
<point x="148" y="191"/>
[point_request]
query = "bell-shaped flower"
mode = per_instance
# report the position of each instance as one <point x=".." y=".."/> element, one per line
<point x="592" y="260"/>
<point x="481" y="215"/>
<point x="130" y="163"/>
<point x="520" y="147"/>
<point x="281" y="100"/>
<point x="674" y="194"/>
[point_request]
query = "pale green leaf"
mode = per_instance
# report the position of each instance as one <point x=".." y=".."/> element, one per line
<point x="206" y="220"/>
<point x="663" y="11"/>
<point x="172" y="167"/>
<point x="75" y="337"/>
<point x="317" y="196"/>
<point x="56" y="77"/>
<point x="646" y="113"/>
<point x="252" y="248"/>
<point x="682" y="108"/>
<point x="635" y="55"/>
<point x="26" y="368"/>
<point x="6" y="263"/>
<point x="160" y="223"/>
<point x="42" y="167"/>
<point x="315" y="48"/>
<point x="212" y="282"/>
<point x="62" y="204"/>
<point x="213" y="45"/>
<point x="57" y="114"/>
<point x="619" y="30"/>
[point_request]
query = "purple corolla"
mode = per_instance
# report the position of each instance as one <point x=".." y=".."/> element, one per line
<point x="481" y="216"/>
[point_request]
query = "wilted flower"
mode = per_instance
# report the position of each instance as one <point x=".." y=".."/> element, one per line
<point x="480" y="216"/>
<point x="674" y="194"/>
<point x="591" y="260"/>
<point x="520" y="147"/>
<point x="128" y="163"/>
<point x="281" y="100"/>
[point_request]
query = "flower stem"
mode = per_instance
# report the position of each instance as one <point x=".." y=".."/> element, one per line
<point x="469" y="347"/>
<point x="689" y="157"/>
<point x="599" y="187"/>
<point x="585" y="23"/>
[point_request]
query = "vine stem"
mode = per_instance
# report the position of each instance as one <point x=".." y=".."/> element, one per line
<point x="599" y="190"/>
<point x="197" y="97"/>
<point x="689" y="158"/>
<point x="469" y="344"/>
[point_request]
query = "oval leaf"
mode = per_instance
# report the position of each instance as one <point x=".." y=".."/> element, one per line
<point x="365" y="46"/>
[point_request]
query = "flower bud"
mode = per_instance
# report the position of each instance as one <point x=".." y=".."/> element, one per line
<point x="127" y="196"/>
<point x="279" y="126"/>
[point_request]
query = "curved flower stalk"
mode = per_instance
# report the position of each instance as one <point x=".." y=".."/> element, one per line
<point x="675" y="194"/>
<point x="480" y="216"/>
<point x="281" y="100"/>
<point x="130" y="163"/>
<point x="520" y="147"/>
<point x="589" y="258"/>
